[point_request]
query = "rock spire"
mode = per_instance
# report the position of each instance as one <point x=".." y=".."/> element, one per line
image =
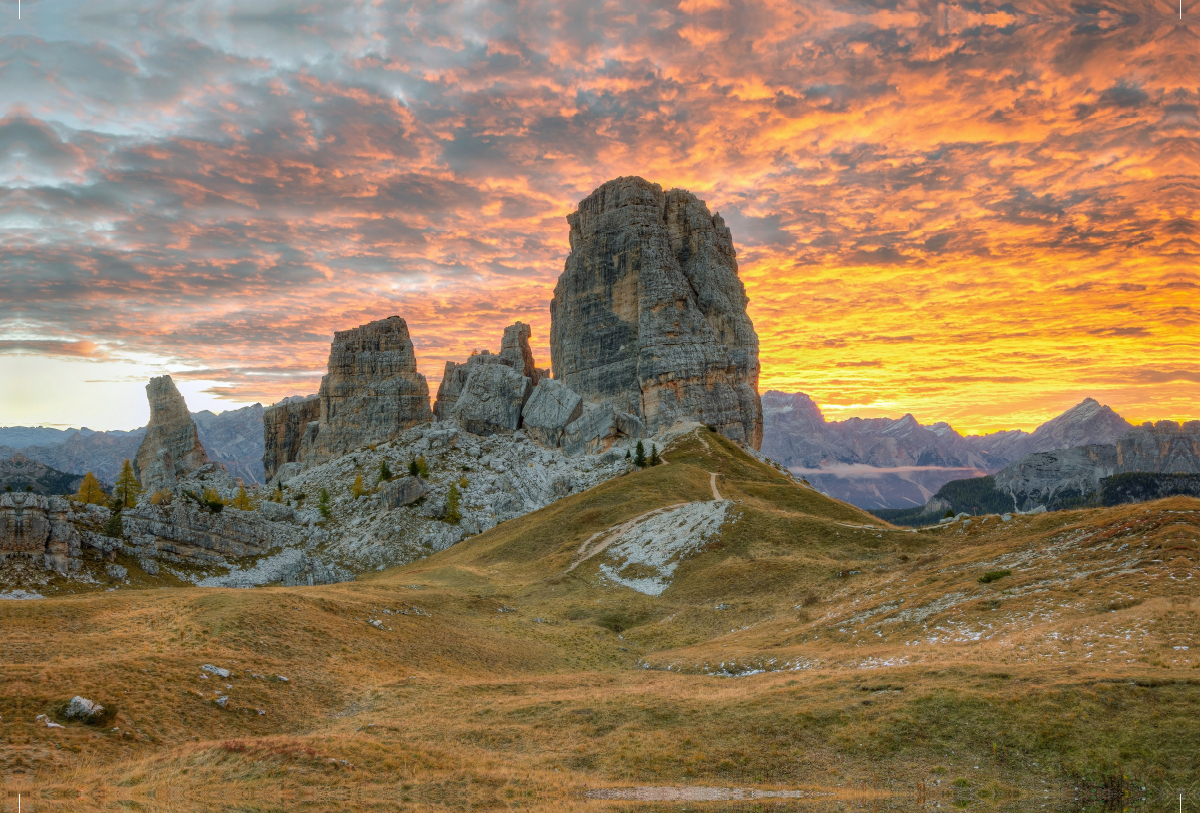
<point x="171" y="447"/>
<point x="649" y="314"/>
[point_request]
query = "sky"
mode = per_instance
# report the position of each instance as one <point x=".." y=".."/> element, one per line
<point x="974" y="212"/>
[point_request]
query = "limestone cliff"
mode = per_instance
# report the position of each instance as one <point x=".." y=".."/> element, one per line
<point x="171" y="447"/>
<point x="283" y="427"/>
<point x="649" y="314"/>
<point x="372" y="391"/>
<point x="514" y="352"/>
<point x="39" y="528"/>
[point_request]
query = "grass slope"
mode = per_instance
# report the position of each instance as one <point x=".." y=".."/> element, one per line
<point x="801" y="648"/>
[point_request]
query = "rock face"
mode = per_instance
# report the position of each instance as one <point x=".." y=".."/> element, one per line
<point x="196" y="534"/>
<point x="514" y="352"/>
<point x="171" y="447"/>
<point x="372" y="391"/>
<point x="492" y="399"/>
<point x="39" y="528"/>
<point x="551" y="406"/>
<point x="234" y="438"/>
<point x="1164" y="447"/>
<point x="649" y="314"/>
<point x="284" y="425"/>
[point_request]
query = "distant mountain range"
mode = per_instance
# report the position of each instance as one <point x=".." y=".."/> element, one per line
<point x="899" y="463"/>
<point x="234" y="438"/>
<point x="19" y="473"/>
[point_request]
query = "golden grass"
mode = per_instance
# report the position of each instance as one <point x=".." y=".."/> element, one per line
<point x="503" y="680"/>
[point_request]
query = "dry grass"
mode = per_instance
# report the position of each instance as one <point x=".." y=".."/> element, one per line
<point x="501" y="680"/>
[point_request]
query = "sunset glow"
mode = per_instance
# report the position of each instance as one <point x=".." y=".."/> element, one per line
<point x="979" y="213"/>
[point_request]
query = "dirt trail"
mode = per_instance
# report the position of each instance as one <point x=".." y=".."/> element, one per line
<point x="614" y="533"/>
<point x="713" y="482"/>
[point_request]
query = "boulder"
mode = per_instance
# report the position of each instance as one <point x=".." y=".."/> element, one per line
<point x="514" y="353"/>
<point x="650" y="316"/>
<point x="402" y="491"/>
<point x="80" y="708"/>
<point x="115" y="571"/>
<point x="171" y="447"/>
<point x="550" y="407"/>
<point x="492" y="400"/>
<point x="276" y="511"/>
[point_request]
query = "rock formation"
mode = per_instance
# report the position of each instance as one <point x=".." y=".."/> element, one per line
<point x="649" y="314"/>
<point x="171" y="447"/>
<point x="371" y="393"/>
<point x="492" y="399"/>
<point x="39" y="528"/>
<point x="192" y="533"/>
<point x="514" y="352"/>
<point x="284" y="425"/>
<point x="401" y="492"/>
<point x="551" y="407"/>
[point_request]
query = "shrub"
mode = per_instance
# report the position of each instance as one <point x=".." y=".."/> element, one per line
<point x="385" y="473"/>
<point x="422" y="467"/>
<point x="463" y="483"/>
<point x="114" y="527"/>
<point x="162" y="497"/>
<point x="994" y="575"/>
<point x="357" y="489"/>
<point x="949" y="514"/>
<point x="323" y="504"/>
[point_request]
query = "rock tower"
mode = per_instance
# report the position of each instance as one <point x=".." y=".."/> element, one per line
<point x="649" y="314"/>
<point x="171" y="447"/>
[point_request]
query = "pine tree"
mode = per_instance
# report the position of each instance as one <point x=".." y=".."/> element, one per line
<point x="323" y="504"/>
<point x="628" y="454"/>
<point x="385" y="473"/>
<point x="654" y="458"/>
<point x="128" y="488"/>
<point x="413" y="469"/>
<point x="242" y="500"/>
<point x="114" y="527"/>
<point x="90" y="491"/>
<point x="357" y="489"/>
<point x="639" y="459"/>
<point x="452" y="499"/>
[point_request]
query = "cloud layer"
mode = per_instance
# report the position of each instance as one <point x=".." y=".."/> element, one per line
<point x="979" y="213"/>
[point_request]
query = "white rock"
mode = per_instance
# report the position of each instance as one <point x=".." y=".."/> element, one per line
<point x="215" y="670"/>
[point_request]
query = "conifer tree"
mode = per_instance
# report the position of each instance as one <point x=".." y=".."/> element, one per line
<point x="385" y="473"/>
<point x="654" y="458"/>
<point x="242" y="500"/>
<point x="422" y="467"/>
<point x="323" y="503"/>
<point x="357" y="489"/>
<point x="452" y="500"/>
<point x="639" y="459"/>
<point x="413" y="469"/>
<point x="90" y="491"/>
<point x="128" y="488"/>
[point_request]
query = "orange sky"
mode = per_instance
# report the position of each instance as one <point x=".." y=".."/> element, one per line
<point x="974" y="213"/>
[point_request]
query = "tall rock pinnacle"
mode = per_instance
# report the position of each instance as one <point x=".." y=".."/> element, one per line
<point x="650" y="316"/>
<point x="171" y="447"/>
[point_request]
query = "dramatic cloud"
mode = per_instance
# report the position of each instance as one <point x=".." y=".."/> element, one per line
<point x="977" y="212"/>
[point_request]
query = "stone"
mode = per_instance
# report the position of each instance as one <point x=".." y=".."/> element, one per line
<point x="492" y="399"/>
<point x="551" y="407"/>
<point x="630" y="425"/>
<point x="148" y="566"/>
<point x="115" y="571"/>
<point x="284" y="425"/>
<point x="372" y="392"/>
<point x="402" y="491"/>
<point x="310" y="571"/>
<point x="516" y="353"/>
<point x="276" y="511"/>
<point x="215" y="670"/>
<point x="171" y="447"/>
<point x="650" y="316"/>
<point x="80" y="708"/>
<point x="39" y="529"/>
<point x="593" y="432"/>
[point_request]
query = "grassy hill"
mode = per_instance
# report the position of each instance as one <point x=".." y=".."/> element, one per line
<point x="803" y="644"/>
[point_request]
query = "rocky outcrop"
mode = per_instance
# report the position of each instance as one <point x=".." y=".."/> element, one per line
<point x="188" y="532"/>
<point x="592" y="432"/>
<point x="372" y="391"/>
<point x="551" y="407"/>
<point x="171" y="447"/>
<point x="492" y="399"/>
<point x="39" y="528"/>
<point x="649" y="314"/>
<point x="284" y="425"/>
<point x="1164" y="447"/>
<point x="514" y="352"/>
